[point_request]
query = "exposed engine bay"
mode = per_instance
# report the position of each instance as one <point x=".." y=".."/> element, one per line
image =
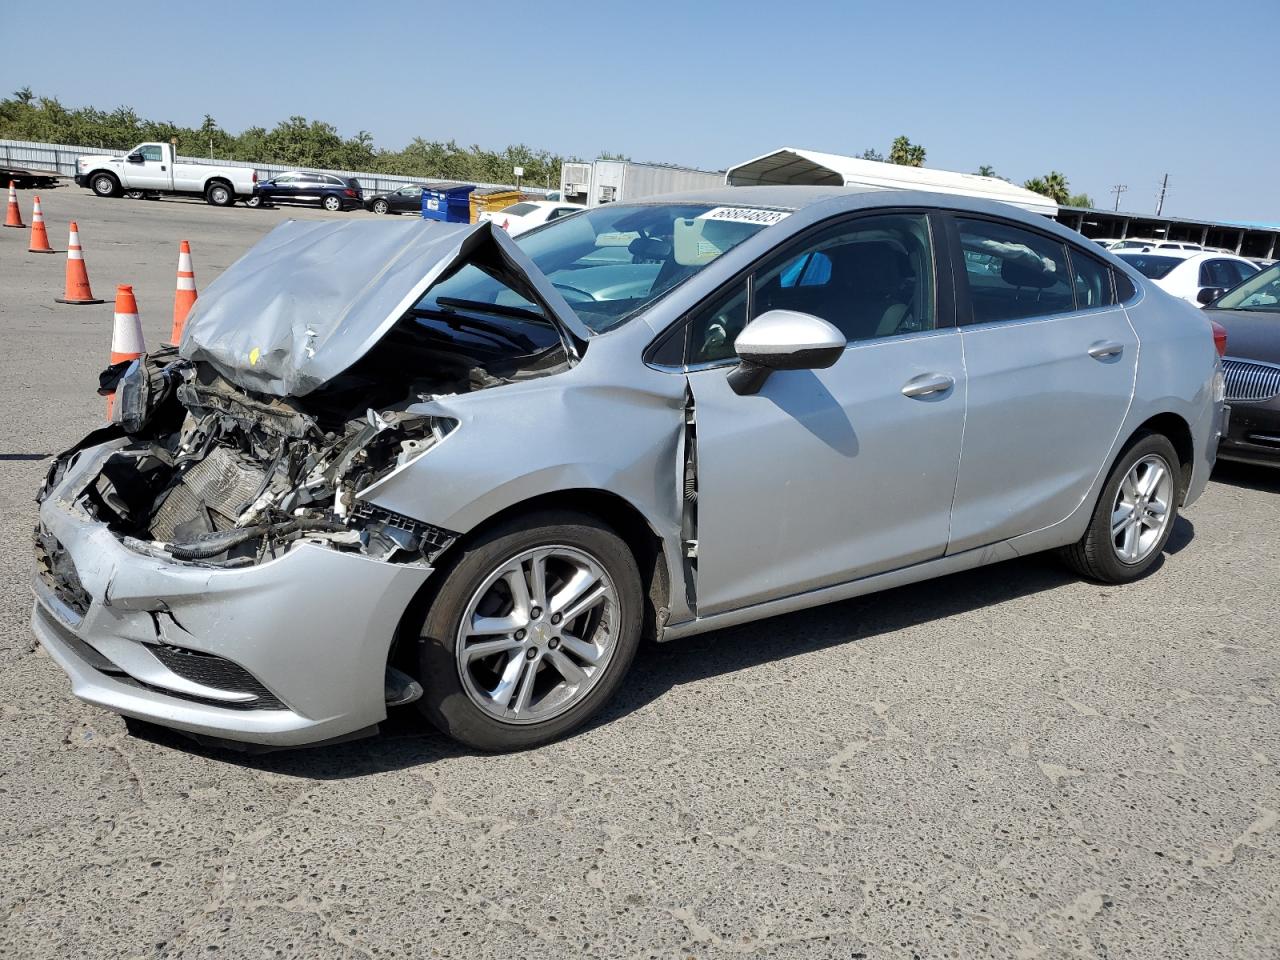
<point x="217" y="475"/>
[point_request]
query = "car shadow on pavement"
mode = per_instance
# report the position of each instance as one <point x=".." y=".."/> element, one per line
<point x="1251" y="476"/>
<point x="407" y="740"/>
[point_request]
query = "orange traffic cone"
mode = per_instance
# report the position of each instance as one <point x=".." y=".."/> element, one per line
<point x="185" y="298"/>
<point x="13" y="218"/>
<point x="126" y="333"/>
<point x="39" y="235"/>
<point x="77" y="275"/>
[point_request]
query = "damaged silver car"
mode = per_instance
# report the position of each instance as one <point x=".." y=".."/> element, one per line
<point x="422" y="462"/>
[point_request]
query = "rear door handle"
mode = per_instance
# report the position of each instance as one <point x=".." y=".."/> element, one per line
<point x="927" y="385"/>
<point x="1106" y="348"/>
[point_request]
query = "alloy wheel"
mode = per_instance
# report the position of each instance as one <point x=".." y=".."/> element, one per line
<point x="538" y="634"/>
<point x="1142" y="510"/>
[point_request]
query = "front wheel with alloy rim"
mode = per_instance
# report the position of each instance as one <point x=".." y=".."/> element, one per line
<point x="1134" y="516"/>
<point x="380" y="206"/>
<point x="530" y="632"/>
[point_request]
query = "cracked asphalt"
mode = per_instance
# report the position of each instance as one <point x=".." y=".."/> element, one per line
<point x="1003" y="763"/>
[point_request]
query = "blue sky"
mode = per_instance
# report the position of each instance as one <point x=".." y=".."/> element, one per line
<point x="1105" y="92"/>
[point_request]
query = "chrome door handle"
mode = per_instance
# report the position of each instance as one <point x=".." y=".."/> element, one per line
<point x="1106" y="348"/>
<point x="927" y="384"/>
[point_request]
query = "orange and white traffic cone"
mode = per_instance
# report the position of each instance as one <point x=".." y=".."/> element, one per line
<point x="185" y="297"/>
<point x="39" y="235"/>
<point x="13" y="217"/>
<point x="126" y="334"/>
<point x="77" y="274"/>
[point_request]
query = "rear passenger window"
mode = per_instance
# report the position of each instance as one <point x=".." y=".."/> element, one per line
<point x="1125" y="290"/>
<point x="1014" y="273"/>
<point x="1092" y="281"/>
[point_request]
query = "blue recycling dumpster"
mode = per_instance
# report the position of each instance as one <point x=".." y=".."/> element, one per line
<point x="447" y="202"/>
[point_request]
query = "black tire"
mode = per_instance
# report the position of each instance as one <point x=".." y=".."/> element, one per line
<point x="445" y="702"/>
<point x="1095" y="556"/>
<point x="331" y="203"/>
<point x="254" y="202"/>
<point x="105" y="185"/>
<point x="219" y="194"/>
<point x="381" y="207"/>
<point x="135" y="194"/>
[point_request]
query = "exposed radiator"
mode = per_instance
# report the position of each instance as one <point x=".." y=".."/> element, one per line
<point x="217" y="489"/>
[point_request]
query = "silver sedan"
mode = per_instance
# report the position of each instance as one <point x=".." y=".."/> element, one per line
<point x="399" y="462"/>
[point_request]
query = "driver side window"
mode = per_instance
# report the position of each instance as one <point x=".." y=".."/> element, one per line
<point x="870" y="277"/>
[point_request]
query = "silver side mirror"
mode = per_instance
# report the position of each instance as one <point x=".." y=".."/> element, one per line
<point x="783" y="340"/>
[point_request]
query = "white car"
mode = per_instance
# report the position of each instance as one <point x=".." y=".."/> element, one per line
<point x="1193" y="275"/>
<point x="527" y="214"/>
<point x="1150" y="243"/>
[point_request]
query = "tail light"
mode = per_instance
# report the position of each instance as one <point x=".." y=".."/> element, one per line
<point x="255" y="176"/>
<point x="1219" y="337"/>
<point x="350" y="192"/>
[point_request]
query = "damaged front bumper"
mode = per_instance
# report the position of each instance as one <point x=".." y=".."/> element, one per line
<point x="285" y="652"/>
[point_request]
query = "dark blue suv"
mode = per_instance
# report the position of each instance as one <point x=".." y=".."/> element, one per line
<point x="327" y="190"/>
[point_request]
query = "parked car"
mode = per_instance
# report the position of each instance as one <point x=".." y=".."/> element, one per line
<point x="1151" y="243"/>
<point x="416" y="460"/>
<point x="151" y="169"/>
<point x="406" y="199"/>
<point x="1250" y="313"/>
<point x="326" y="190"/>
<point x="1195" y="277"/>
<point x="527" y="214"/>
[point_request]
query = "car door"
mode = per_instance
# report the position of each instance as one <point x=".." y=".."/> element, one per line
<point x="1051" y="361"/>
<point x="407" y="199"/>
<point x="825" y="476"/>
<point x="152" y="173"/>
<point x="283" y="188"/>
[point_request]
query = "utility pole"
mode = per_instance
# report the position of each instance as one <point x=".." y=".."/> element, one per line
<point x="1118" y="189"/>
<point x="1164" y="185"/>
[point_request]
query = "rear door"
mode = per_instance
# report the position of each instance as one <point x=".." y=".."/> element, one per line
<point x="1051" y="361"/>
<point x="826" y="476"/>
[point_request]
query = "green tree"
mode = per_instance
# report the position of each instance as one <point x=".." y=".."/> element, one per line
<point x="906" y="153"/>
<point x="1052" y="185"/>
<point x="1079" y="200"/>
<point x="871" y="153"/>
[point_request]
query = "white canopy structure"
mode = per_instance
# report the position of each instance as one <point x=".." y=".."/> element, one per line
<point x="794" y="165"/>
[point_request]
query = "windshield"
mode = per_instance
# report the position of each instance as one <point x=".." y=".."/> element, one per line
<point x="611" y="262"/>
<point x="1260" y="292"/>
<point x="1151" y="266"/>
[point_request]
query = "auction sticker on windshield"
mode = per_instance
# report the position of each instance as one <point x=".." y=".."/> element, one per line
<point x="764" y="218"/>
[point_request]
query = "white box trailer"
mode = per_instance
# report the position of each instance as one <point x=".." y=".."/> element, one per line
<point x="797" y="165"/>
<point x="609" y="181"/>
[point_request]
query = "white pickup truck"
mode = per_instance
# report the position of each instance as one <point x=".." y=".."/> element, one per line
<point x="149" y="169"/>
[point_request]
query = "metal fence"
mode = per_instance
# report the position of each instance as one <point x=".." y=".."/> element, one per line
<point x="61" y="158"/>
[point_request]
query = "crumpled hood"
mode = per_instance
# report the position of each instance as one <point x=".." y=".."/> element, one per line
<point x="311" y="298"/>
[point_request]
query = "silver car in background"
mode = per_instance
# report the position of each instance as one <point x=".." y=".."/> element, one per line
<point x="423" y="461"/>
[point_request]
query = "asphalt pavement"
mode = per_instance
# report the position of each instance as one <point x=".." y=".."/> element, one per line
<point x="1003" y="763"/>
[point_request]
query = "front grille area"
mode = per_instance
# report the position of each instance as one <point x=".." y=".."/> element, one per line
<point x="1249" y="381"/>
<point x="220" y="673"/>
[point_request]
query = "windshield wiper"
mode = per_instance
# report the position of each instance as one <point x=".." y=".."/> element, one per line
<point x="498" y="309"/>
<point x="491" y="331"/>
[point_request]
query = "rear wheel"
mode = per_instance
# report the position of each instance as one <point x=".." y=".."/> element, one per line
<point x="331" y="203"/>
<point x="1134" y="516"/>
<point x="220" y="195"/>
<point x="105" y="185"/>
<point x="530" y="632"/>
